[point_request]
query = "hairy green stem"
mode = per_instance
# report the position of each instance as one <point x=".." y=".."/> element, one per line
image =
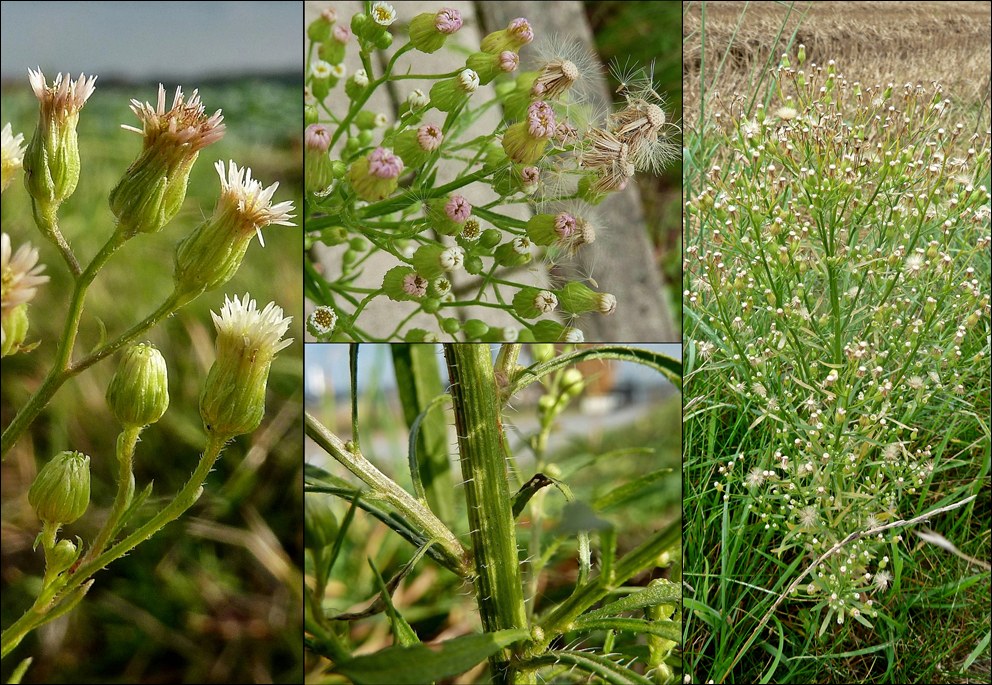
<point x="48" y="605"/>
<point x="126" y="442"/>
<point x="57" y="376"/>
<point x="388" y="491"/>
<point x="480" y="444"/>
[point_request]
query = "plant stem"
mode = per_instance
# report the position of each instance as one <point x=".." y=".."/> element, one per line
<point x="480" y="444"/>
<point x="43" y="611"/>
<point x="639" y="559"/>
<point x="389" y="491"/>
<point x="57" y="376"/>
<point x="126" y="442"/>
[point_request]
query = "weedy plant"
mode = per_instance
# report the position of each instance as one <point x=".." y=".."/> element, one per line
<point x="838" y="298"/>
<point x="373" y="185"/>
<point x="523" y="640"/>
<point x="147" y="197"/>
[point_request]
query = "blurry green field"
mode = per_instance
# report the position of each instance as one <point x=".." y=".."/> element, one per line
<point x="212" y="598"/>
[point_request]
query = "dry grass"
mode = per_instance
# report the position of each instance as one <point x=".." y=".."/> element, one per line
<point x="874" y="42"/>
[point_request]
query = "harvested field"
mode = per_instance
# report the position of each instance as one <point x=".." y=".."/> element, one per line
<point x="874" y="42"/>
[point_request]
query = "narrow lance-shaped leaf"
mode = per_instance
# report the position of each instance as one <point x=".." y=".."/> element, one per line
<point x="418" y="664"/>
<point x="418" y="381"/>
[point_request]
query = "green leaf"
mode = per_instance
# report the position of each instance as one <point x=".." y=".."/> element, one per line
<point x="418" y="380"/>
<point x="132" y="509"/>
<point x="660" y="592"/>
<point x="404" y="634"/>
<point x="628" y="491"/>
<point x="670" y="630"/>
<point x="418" y="664"/>
<point x="21" y="669"/>
<point x="663" y="364"/>
<point x="527" y="490"/>
<point x="607" y="669"/>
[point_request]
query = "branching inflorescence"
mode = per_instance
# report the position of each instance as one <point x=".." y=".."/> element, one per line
<point x="839" y="285"/>
<point x="147" y="197"/>
<point x="373" y="187"/>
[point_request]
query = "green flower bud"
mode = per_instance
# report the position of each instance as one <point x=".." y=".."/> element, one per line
<point x="451" y="325"/>
<point x="434" y="260"/>
<point x="543" y="352"/>
<point x="356" y="84"/>
<point x="383" y="40"/>
<point x="331" y="51"/>
<point x="209" y="256"/>
<point x="51" y="161"/>
<point x="514" y="253"/>
<point x="360" y="25"/>
<point x="502" y="334"/>
<point x="366" y="120"/>
<point x="320" y="526"/>
<point x="475" y="329"/>
<point x="490" y="238"/>
<point x="62" y="556"/>
<point x="431" y="305"/>
<point x="310" y="114"/>
<point x="578" y="298"/>
<point x="490" y="65"/>
<point x="530" y="303"/>
<point x="571" y="382"/>
<point x="153" y="188"/>
<point x="15" y="330"/>
<point x="429" y="30"/>
<point x="549" y="330"/>
<point x="319" y="29"/>
<point x="517" y="34"/>
<point x="474" y="264"/>
<point x="233" y="398"/>
<point x="449" y="94"/>
<point x="60" y="492"/>
<point x="138" y="394"/>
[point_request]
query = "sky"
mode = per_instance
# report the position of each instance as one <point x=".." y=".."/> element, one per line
<point x="146" y="40"/>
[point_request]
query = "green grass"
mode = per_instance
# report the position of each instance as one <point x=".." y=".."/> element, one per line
<point x="211" y="598"/>
<point x="934" y="622"/>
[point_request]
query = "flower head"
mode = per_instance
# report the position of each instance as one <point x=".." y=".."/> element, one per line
<point x="384" y="164"/>
<point x="317" y="138"/>
<point x="341" y="33"/>
<point x="248" y="339"/>
<point x="210" y="255"/>
<point x="51" y="161"/>
<point x="11" y="155"/>
<point x="318" y="166"/>
<point x="375" y="176"/>
<point x="524" y="141"/>
<point x="154" y="186"/>
<point x="447" y="20"/>
<point x="320" y="69"/>
<point x="457" y="208"/>
<point x="21" y="275"/>
<point x="517" y="34"/>
<point x="64" y="98"/>
<point x="383" y="13"/>
<point x="321" y="322"/>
